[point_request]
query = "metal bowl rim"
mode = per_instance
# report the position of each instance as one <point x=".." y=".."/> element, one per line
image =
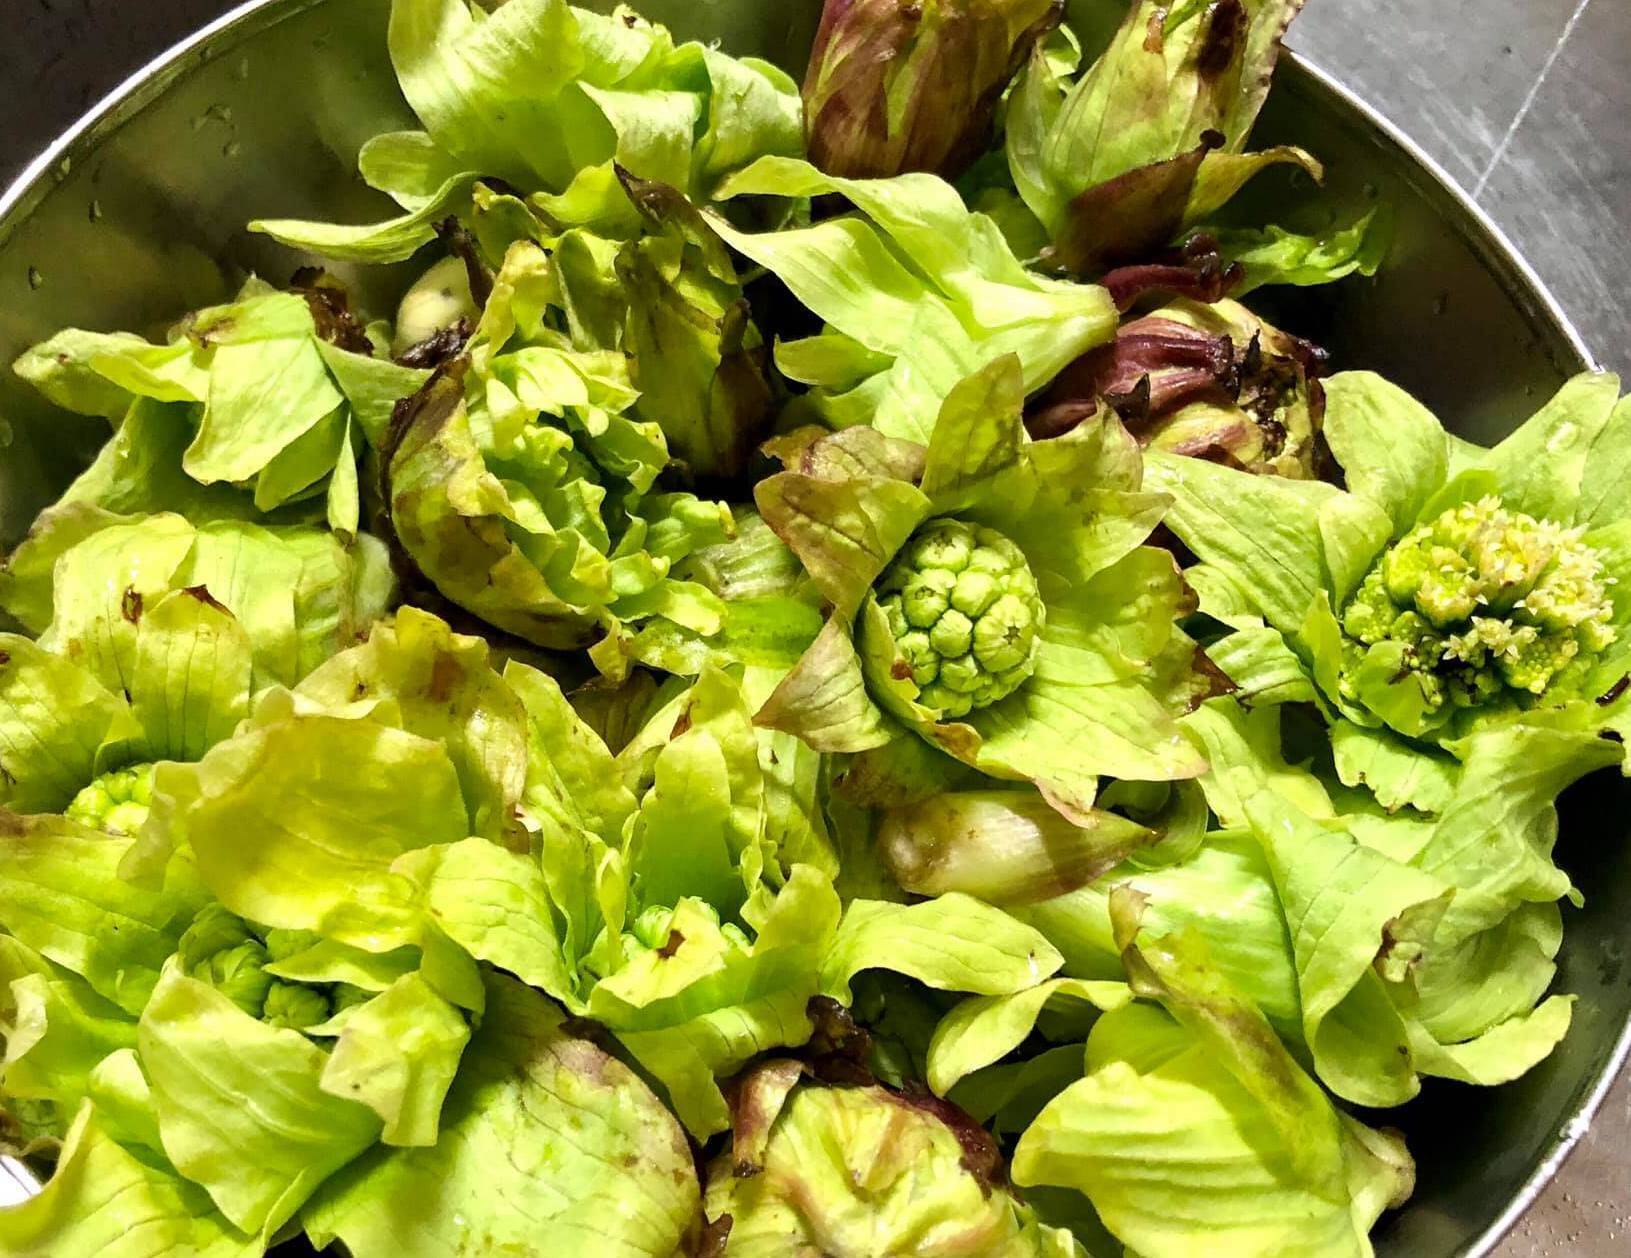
<point x="1491" y="245"/>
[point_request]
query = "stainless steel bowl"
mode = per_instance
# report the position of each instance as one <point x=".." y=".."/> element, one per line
<point x="137" y="214"/>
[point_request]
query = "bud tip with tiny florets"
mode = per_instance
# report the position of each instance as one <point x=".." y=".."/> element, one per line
<point x="965" y="615"/>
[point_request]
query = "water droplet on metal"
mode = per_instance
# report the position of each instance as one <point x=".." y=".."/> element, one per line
<point x="36" y="281"/>
<point x="96" y="211"/>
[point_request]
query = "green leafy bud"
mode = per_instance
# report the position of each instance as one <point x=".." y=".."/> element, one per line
<point x="865" y="1171"/>
<point x="952" y="635"/>
<point x="965" y="614"/>
<point x="220" y="949"/>
<point x="1006" y="847"/>
<point x="651" y="928"/>
<point x="229" y="954"/>
<point x="1480" y="606"/>
<point x="913" y="85"/>
<point x="654" y="927"/>
<point x="296" y="1005"/>
<point x="348" y="995"/>
<point x="116" y="802"/>
<point x="283" y="944"/>
<point x="974" y="592"/>
<point x="215" y="929"/>
<point x="240" y="975"/>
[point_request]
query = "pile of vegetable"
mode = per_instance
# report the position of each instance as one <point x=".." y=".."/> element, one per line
<point x="822" y="687"/>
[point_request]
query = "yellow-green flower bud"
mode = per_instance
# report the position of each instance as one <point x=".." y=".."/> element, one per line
<point x="116" y="802"/>
<point x="296" y="1005"/>
<point x="1489" y="605"/>
<point x="219" y="949"/>
<point x="965" y="616"/>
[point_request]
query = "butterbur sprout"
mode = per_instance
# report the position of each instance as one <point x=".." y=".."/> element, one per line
<point x="913" y="85"/>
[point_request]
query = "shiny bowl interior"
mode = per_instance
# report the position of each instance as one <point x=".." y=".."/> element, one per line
<point x="138" y="214"/>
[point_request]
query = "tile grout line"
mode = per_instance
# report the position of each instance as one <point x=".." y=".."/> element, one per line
<point x="1530" y="98"/>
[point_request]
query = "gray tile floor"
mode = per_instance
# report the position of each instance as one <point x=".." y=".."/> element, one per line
<point x="1525" y="102"/>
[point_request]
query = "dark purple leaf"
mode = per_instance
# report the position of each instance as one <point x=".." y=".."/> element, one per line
<point x="1196" y="269"/>
<point x="1128" y="218"/>
<point x="462" y="245"/>
<point x="331" y="310"/>
<point x="437" y="348"/>
<point x="1212" y="382"/>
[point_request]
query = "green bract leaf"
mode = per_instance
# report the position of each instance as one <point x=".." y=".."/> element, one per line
<point x="393" y="240"/>
<point x="824" y="700"/>
<point x="843" y="531"/>
<point x="1199" y="1129"/>
<point x="547" y="97"/>
<point x="987" y="1028"/>
<point x="59" y="727"/>
<point x="1482" y="1015"/>
<point x="572" y="775"/>
<point x="61" y="895"/>
<point x="1600" y="502"/>
<point x="1025" y="631"/>
<point x="1494" y="976"/>
<point x="106" y="1200"/>
<point x="1224" y="894"/>
<point x="795" y="784"/>
<point x="1432" y="962"/>
<point x="1353" y="915"/>
<point x="1273" y="255"/>
<point x="953" y="943"/>
<point x="1541" y="468"/>
<point x="262" y="385"/>
<point x="206" y="1059"/>
<point x="287" y="832"/>
<point x="61" y="1030"/>
<point x="298" y="595"/>
<point x="1118" y="163"/>
<point x="860" y="1171"/>
<point x="477" y="82"/>
<point x="397" y="1054"/>
<point x="440" y="686"/>
<point x="1391" y="448"/>
<point x="919" y="280"/>
<point x="1260" y="531"/>
<point x="1506" y="1052"/>
<point x="496" y="905"/>
<point x="543" y="1134"/>
<point x="98" y="373"/>
<point x="1397" y="772"/>
<point x="699" y="831"/>
<point x="518" y="485"/>
<point x="695" y="1002"/>
<point x="1493" y="841"/>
